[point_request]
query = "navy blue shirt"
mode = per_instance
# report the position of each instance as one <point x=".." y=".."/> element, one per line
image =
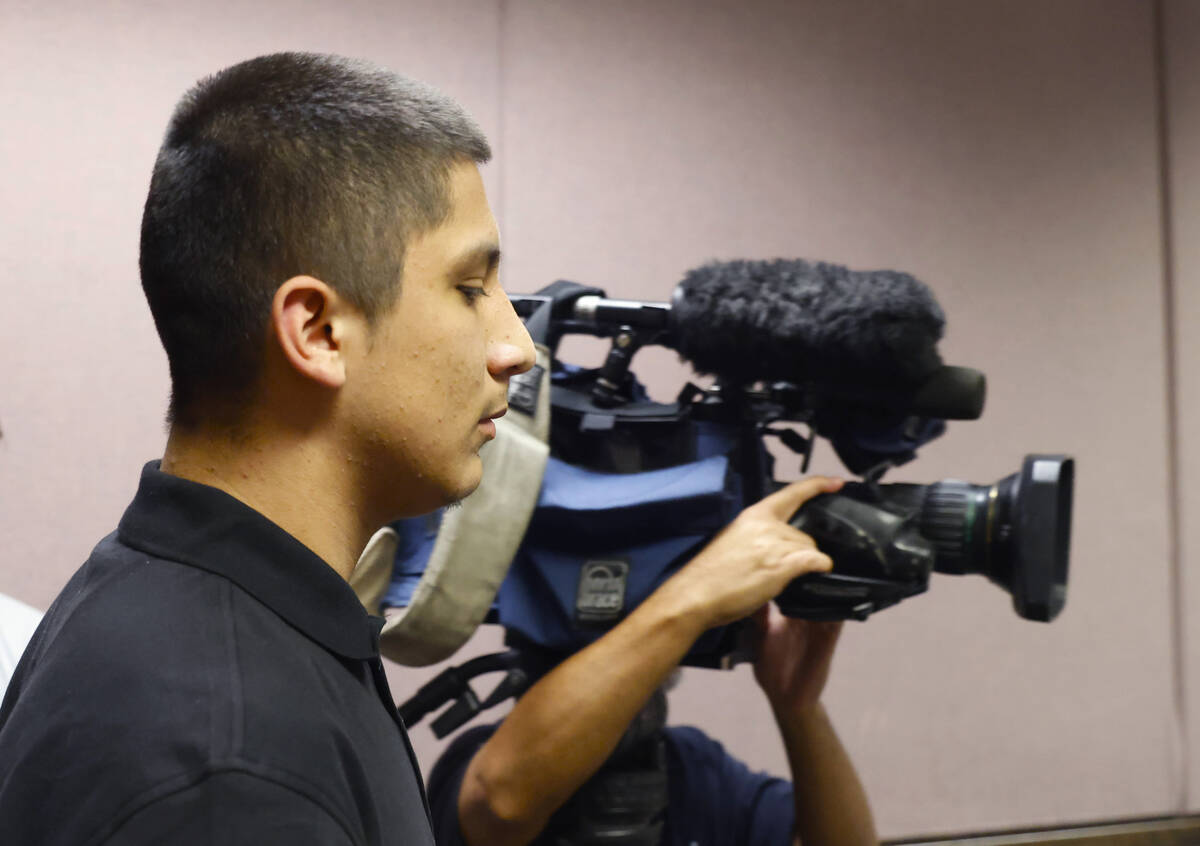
<point x="205" y="679"/>
<point x="714" y="799"/>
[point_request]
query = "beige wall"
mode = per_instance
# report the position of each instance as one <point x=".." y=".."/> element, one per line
<point x="1004" y="152"/>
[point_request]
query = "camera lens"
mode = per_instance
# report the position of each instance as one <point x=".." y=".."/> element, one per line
<point x="1016" y="532"/>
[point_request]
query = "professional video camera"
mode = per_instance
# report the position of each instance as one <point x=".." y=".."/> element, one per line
<point x="633" y="488"/>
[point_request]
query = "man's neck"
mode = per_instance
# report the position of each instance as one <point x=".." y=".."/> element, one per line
<point x="293" y="481"/>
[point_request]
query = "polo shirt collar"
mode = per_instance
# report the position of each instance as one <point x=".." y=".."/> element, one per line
<point x="206" y="528"/>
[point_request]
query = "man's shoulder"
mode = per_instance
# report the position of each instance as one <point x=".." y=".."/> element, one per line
<point x="152" y="683"/>
<point x="132" y="682"/>
<point x="129" y="654"/>
<point x="130" y="607"/>
<point x="122" y="614"/>
<point x="135" y="640"/>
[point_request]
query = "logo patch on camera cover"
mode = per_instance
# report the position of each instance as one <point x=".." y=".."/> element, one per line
<point x="601" y="596"/>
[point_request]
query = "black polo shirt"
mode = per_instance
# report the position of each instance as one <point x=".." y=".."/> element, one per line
<point x="205" y="678"/>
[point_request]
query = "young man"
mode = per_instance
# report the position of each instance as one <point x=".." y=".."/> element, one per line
<point x="321" y="263"/>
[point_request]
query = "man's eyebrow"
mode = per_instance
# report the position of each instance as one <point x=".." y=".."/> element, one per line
<point x="487" y="252"/>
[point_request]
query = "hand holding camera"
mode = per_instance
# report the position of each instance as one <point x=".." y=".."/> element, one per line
<point x="752" y="559"/>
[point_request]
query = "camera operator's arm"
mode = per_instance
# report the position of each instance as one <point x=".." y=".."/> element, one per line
<point x="566" y="725"/>
<point x="792" y="664"/>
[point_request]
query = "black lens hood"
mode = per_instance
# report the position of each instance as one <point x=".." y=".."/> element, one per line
<point x="1041" y="523"/>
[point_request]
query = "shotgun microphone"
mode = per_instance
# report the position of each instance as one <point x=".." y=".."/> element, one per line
<point x="796" y="321"/>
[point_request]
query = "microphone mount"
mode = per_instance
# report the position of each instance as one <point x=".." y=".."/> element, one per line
<point x="614" y="373"/>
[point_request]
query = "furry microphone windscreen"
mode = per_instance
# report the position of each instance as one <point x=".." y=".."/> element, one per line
<point x="796" y="321"/>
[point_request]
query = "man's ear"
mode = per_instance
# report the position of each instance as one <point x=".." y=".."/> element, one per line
<point x="311" y="322"/>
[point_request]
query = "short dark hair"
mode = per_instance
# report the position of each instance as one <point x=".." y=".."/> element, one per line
<point x="288" y="164"/>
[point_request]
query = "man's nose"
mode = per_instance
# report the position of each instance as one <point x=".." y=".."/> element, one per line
<point x="511" y="349"/>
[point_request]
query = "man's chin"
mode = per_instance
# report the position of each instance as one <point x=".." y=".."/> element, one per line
<point x="468" y="486"/>
<point x="437" y="493"/>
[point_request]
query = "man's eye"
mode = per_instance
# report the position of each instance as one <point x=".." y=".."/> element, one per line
<point x="472" y="293"/>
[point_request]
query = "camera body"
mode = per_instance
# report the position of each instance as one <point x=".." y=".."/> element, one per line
<point x="885" y="540"/>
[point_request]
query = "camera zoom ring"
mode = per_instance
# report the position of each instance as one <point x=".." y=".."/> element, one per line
<point x="944" y="519"/>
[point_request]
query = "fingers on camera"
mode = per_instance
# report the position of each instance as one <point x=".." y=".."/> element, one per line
<point x="809" y="560"/>
<point x="786" y="501"/>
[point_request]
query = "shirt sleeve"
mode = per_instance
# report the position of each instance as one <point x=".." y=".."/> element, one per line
<point x="445" y="781"/>
<point x="232" y="808"/>
<point x="716" y="798"/>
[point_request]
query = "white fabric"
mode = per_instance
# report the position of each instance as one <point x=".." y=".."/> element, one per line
<point x="474" y="547"/>
<point x="17" y="622"/>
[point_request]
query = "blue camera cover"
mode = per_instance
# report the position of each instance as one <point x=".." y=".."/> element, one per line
<point x="598" y="544"/>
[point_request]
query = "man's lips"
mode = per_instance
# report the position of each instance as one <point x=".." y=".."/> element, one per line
<point x="486" y="424"/>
